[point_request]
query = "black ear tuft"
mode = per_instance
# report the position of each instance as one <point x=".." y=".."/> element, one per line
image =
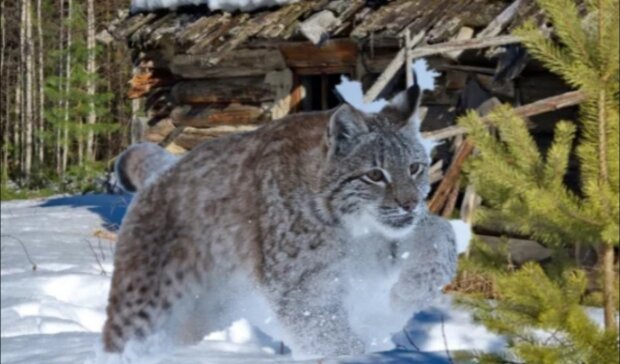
<point x="406" y="103"/>
<point x="345" y="124"/>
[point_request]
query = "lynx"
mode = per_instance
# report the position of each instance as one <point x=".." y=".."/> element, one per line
<point x="304" y="212"/>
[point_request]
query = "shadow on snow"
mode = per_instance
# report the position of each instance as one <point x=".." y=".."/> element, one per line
<point x="111" y="208"/>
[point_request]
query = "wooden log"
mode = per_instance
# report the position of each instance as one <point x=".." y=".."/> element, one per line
<point x="242" y="90"/>
<point x="451" y="202"/>
<point x="237" y="63"/>
<point x="191" y="137"/>
<point x="334" y="56"/>
<point x="392" y="69"/>
<point x="209" y="116"/>
<point x="451" y="177"/>
<point x="159" y="131"/>
<point x="435" y="173"/>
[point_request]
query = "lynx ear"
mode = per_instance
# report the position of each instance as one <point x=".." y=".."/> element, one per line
<point x="406" y="104"/>
<point x="344" y="125"/>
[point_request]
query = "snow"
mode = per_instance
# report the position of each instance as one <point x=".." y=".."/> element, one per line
<point x="54" y="314"/>
<point x="226" y="5"/>
<point x="463" y="233"/>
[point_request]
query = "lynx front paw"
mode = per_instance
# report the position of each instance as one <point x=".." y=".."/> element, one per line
<point x="413" y="292"/>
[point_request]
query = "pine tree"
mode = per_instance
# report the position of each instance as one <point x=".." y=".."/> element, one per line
<point x="531" y="301"/>
<point x="74" y="100"/>
<point x="524" y="189"/>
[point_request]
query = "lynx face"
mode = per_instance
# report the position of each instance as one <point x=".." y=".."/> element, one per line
<point x="377" y="175"/>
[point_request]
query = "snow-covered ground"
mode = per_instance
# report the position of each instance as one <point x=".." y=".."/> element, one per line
<point x="54" y="313"/>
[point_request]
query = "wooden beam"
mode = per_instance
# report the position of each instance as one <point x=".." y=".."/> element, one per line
<point x="408" y="59"/>
<point x="391" y="70"/>
<point x="242" y="90"/>
<point x="237" y="63"/>
<point x="334" y="56"/>
<point x="209" y="116"/>
<point x="495" y="26"/>
<point x="190" y="137"/>
<point x="451" y="200"/>
<point x="535" y="108"/>
<point x="434" y="49"/>
<point x="499" y="23"/>
<point x="450" y="178"/>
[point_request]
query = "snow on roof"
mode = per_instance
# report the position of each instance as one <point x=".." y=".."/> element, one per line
<point x="226" y="5"/>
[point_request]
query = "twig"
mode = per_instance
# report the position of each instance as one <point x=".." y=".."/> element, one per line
<point x="34" y="266"/>
<point x="103" y="271"/>
<point x="410" y="340"/>
<point x="445" y="341"/>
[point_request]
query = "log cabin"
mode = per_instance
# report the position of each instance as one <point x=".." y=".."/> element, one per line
<point x="201" y="73"/>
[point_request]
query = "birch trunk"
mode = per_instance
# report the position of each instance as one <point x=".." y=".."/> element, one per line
<point x="61" y="46"/>
<point x="6" y="114"/>
<point x="19" y="105"/>
<point x="65" y="131"/>
<point x="41" y="91"/>
<point x="91" y="68"/>
<point x="28" y="115"/>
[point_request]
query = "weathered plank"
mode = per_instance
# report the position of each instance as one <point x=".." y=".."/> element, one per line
<point x="334" y="56"/>
<point x="209" y="116"/>
<point x="159" y="131"/>
<point x="242" y="90"/>
<point x="450" y="178"/>
<point x="191" y="137"/>
<point x="238" y="63"/>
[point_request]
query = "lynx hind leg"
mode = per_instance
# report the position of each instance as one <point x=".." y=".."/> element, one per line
<point x="151" y="284"/>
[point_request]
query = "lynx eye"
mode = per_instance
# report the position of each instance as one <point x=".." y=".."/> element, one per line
<point x="375" y="175"/>
<point x="415" y="168"/>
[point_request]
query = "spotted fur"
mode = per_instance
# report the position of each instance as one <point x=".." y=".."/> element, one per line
<point x="278" y="209"/>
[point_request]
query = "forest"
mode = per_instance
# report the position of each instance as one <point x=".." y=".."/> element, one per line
<point x="64" y="110"/>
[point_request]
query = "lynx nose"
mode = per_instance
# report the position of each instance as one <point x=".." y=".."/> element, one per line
<point x="408" y="205"/>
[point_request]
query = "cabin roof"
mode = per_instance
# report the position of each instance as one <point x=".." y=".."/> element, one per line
<point x="197" y="30"/>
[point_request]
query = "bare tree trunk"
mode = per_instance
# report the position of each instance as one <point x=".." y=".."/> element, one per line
<point x="28" y="115"/>
<point x="20" y="95"/>
<point x="65" y="131"/>
<point x="61" y="45"/>
<point x="91" y="68"/>
<point x="5" y="116"/>
<point x="609" y="276"/>
<point x="41" y="91"/>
